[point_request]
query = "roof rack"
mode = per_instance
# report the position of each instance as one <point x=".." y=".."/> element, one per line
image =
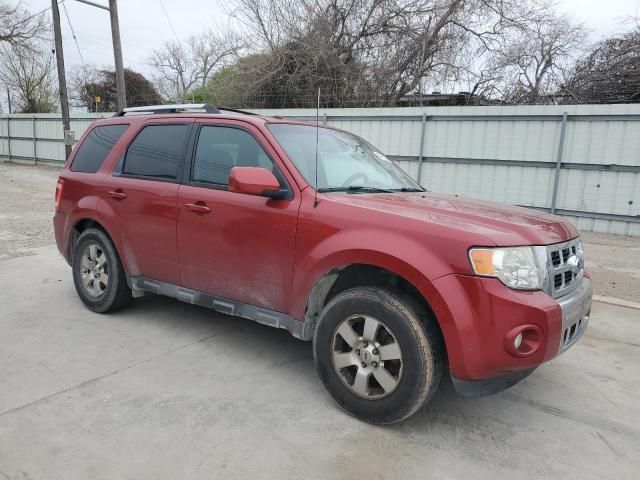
<point x="177" y="108"/>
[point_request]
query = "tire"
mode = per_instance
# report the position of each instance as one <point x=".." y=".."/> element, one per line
<point x="100" y="281"/>
<point x="404" y="330"/>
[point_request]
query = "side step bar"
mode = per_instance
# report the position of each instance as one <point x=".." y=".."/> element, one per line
<point x="301" y="330"/>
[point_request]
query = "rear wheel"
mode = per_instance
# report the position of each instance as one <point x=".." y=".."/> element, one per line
<point x="98" y="274"/>
<point x="375" y="356"/>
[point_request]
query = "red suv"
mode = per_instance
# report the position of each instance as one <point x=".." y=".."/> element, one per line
<point x="313" y="230"/>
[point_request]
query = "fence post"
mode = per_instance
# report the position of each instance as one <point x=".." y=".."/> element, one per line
<point x="556" y="180"/>
<point x="421" y="155"/>
<point x="9" y="136"/>
<point x="35" y="140"/>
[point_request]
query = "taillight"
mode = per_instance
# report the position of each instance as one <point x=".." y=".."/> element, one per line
<point x="59" y="187"/>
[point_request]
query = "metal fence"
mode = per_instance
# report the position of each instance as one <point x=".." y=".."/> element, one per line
<point x="581" y="161"/>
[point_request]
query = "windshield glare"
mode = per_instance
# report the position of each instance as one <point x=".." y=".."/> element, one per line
<point x="345" y="162"/>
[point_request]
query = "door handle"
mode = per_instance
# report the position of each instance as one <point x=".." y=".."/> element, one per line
<point x="198" y="207"/>
<point x="118" y="194"/>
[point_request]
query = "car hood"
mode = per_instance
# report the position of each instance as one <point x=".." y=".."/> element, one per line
<point x="503" y="225"/>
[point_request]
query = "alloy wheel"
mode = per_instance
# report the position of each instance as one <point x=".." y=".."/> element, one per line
<point x="94" y="270"/>
<point x="366" y="356"/>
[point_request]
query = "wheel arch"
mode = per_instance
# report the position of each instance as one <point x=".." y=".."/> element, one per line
<point x="84" y="223"/>
<point x="343" y="277"/>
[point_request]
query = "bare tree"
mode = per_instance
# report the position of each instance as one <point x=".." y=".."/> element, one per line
<point x="610" y="73"/>
<point x="19" y="27"/>
<point x="29" y="76"/>
<point x="533" y="62"/>
<point x="180" y="68"/>
<point x="377" y="49"/>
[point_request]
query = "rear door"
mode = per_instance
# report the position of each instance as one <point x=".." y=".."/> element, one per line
<point x="235" y="246"/>
<point x="142" y="192"/>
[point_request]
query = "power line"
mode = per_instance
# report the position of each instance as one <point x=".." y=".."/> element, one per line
<point x="39" y="13"/>
<point x="169" y="21"/>
<point x="73" y="34"/>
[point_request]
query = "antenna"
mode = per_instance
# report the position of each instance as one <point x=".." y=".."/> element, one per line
<point x="315" y="197"/>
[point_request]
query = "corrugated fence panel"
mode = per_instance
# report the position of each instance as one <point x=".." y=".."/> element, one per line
<point x="22" y="127"/>
<point x="47" y="128"/>
<point x="599" y="191"/>
<point x="4" y="140"/>
<point x="515" y="185"/>
<point x="603" y="142"/>
<point x="506" y="154"/>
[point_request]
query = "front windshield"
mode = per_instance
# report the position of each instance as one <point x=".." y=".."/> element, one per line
<point x="345" y="162"/>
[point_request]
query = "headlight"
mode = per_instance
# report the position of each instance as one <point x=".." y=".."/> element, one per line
<point x="516" y="267"/>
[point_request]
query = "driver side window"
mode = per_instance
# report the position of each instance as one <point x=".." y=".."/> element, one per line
<point x="219" y="149"/>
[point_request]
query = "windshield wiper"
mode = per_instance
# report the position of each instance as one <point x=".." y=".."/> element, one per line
<point x="408" y="189"/>
<point x="355" y="189"/>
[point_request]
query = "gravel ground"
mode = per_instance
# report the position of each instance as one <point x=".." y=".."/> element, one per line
<point x="27" y="209"/>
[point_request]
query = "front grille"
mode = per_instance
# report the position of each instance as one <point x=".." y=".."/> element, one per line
<point x="571" y="333"/>
<point x="566" y="267"/>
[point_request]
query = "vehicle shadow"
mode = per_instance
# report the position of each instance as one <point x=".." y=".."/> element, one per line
<point x="277" y="347"/>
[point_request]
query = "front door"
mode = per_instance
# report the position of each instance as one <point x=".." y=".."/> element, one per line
<point x="234" y="245"/>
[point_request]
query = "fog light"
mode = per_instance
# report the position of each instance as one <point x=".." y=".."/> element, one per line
<point x="523" y="340"/>
<point x="518" y="341"/>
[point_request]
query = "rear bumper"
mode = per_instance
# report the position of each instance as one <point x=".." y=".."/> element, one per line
<point x="60" y="232"/>
<point x="476" y="316"/>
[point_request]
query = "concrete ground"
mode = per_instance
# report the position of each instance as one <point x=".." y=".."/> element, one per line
<point x="170" y="390"/>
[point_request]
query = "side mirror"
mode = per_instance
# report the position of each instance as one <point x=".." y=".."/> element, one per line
<point x="255" y="181"/>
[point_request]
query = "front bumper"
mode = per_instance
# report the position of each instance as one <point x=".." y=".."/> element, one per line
<point x="490" y="386"/>
<point x="476" y="314"/>
<point x="576" y="309"/>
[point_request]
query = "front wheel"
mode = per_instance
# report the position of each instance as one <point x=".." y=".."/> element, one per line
<point x="375" y="356"/>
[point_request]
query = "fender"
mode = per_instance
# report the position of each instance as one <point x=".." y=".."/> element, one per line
<point x="85" y="209"/>
<point x="96" y="209"/>
<point x="109" y="219"/>
<point x="390" y="250"/>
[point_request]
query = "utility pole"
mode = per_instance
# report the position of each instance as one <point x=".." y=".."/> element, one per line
<point x="9" y="99"/>
<point x="117" y="48"/>
<point x="117" y="54"/>
<point x="62" y="80"/>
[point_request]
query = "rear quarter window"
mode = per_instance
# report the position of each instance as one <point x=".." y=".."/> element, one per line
<point x="95" y="148"/>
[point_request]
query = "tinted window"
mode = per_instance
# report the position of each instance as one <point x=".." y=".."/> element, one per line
<point x="156" y="151"/>
<point x="219" y="149"/>
<point x="95" y="148"/>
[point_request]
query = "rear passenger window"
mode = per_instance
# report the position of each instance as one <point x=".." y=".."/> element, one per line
<point x="156" y="152"/>
<point x="95" y="148"/>
<point x="219" y="149"/>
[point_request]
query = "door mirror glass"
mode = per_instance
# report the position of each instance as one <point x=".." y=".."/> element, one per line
<point x="255" y="181"/>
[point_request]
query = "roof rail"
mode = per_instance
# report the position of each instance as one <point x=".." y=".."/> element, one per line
<point x="177" y="108"/>
<point x="235" y="110"/>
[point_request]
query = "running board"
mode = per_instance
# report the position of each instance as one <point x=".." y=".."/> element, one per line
<point x="301" y="330"/>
